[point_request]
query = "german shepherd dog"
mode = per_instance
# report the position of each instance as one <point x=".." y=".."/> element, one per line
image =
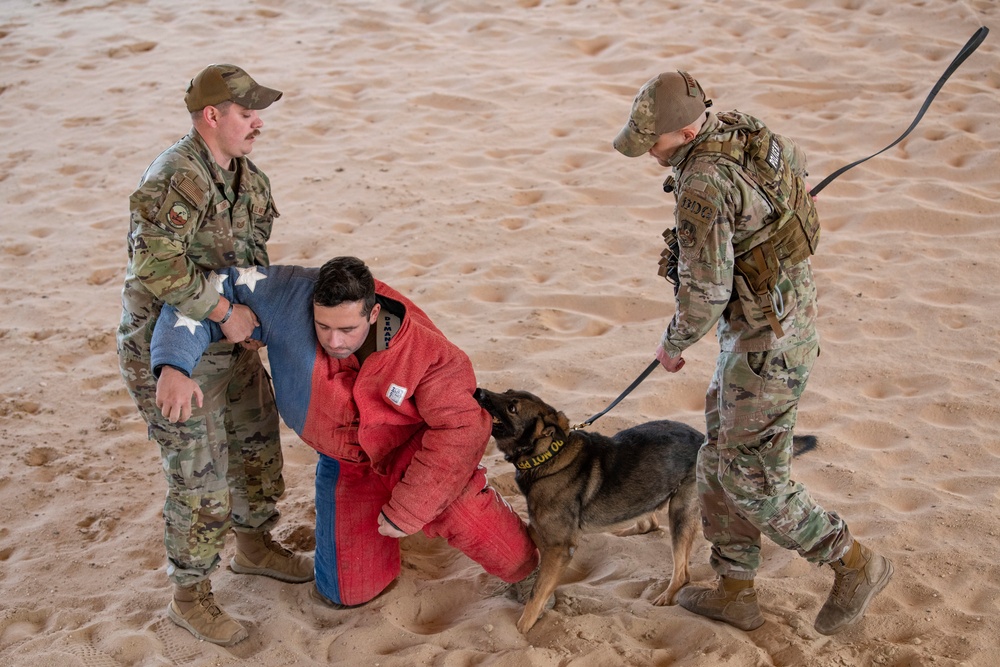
<point x="578" y="482"/>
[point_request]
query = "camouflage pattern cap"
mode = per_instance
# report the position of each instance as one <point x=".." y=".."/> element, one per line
<point x="227" y="83"/>
<point x="665" y="103"/>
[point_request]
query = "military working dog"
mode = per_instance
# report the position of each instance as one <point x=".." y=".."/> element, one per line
<point x="579" y="482"/>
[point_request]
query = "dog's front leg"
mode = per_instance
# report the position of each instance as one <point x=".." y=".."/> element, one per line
<point x="684" y="521"/>
<point x="555" y="558"/>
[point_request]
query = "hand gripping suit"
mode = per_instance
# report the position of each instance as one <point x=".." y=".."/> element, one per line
<point x="400" y="434"/>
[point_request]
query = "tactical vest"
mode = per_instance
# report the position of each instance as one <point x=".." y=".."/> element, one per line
<point x="788" y="238"/>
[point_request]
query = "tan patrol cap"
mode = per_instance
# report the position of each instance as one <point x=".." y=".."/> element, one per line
<point x="227" y="83"/>
<point x="665" y="103"/>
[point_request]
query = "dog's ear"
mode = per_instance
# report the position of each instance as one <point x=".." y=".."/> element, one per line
<point x="545" y="430"/>
<point x="548" y="425"/>
<point x="562" y="421"/>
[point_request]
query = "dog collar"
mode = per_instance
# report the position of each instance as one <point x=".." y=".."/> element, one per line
<point x="535" y="461"/>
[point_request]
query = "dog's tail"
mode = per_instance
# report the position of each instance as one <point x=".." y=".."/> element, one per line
<point x="803" y="443"/>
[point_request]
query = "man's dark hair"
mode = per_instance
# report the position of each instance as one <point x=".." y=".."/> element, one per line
<point x="344" y="280"/>
<point x="223" y="107"/>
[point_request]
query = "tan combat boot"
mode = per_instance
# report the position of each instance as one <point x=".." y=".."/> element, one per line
<point x="194" y="609"/>
<point x="732" y="601"/>
<point x="257" y="553"/>
<point x="860" y="575"/>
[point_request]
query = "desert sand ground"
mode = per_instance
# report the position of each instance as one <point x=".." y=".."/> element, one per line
<point x="463" y="149"/>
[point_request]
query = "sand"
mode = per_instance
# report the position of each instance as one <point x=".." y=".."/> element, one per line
<point x="463" y="149"/>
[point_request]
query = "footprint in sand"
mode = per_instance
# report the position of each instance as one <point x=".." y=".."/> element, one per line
<point x="178" y="645"/>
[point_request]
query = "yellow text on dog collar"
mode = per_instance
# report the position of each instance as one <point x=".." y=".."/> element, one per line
<point x="536" y="461"/>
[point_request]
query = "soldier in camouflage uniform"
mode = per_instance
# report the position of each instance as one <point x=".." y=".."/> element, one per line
<point x="202" y="205"/>
<point x="738" y="257"/>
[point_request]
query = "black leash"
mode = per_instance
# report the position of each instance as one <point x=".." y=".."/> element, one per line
<point x="628" y="390"/>
<point x="966" y="51"/>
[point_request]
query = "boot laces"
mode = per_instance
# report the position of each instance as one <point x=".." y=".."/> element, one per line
<point x="843" y="581"/>
<point x="276" y="547"/>
<point x="208" y="602"/>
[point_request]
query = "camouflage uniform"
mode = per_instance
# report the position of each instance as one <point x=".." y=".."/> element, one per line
<point x="744" y="467"/>
<point x="223" y="466"/>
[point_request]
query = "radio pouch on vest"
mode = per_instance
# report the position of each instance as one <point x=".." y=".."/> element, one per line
<point x="756" y="280"/>
<point x="668" y="259"/>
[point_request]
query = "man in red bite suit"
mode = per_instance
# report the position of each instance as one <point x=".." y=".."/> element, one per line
<point x="365" y="378"/>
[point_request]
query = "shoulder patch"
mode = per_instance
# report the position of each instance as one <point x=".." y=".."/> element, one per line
<point x="696" y="186"/>
<point x="189" y="189"/>
<point x="178" y="215"/>
<point x="696" y="208"/>
<point x="695" y="215"/>
<point x="687" y="233"/>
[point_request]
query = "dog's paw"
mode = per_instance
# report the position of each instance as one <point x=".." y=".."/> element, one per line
<point x="526" y="622"/>
<point x="668" y="598"/>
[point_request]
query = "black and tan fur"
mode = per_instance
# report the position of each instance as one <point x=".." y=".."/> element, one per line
<point x="594" y="483"/>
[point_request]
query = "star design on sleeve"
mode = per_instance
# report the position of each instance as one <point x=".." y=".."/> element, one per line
<point x="187" y="322"/>
<point x="249" y="277"/>
<point x="216" y="280"/>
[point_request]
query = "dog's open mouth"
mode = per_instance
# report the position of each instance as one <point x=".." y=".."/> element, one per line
<point x="500" y="429"/>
